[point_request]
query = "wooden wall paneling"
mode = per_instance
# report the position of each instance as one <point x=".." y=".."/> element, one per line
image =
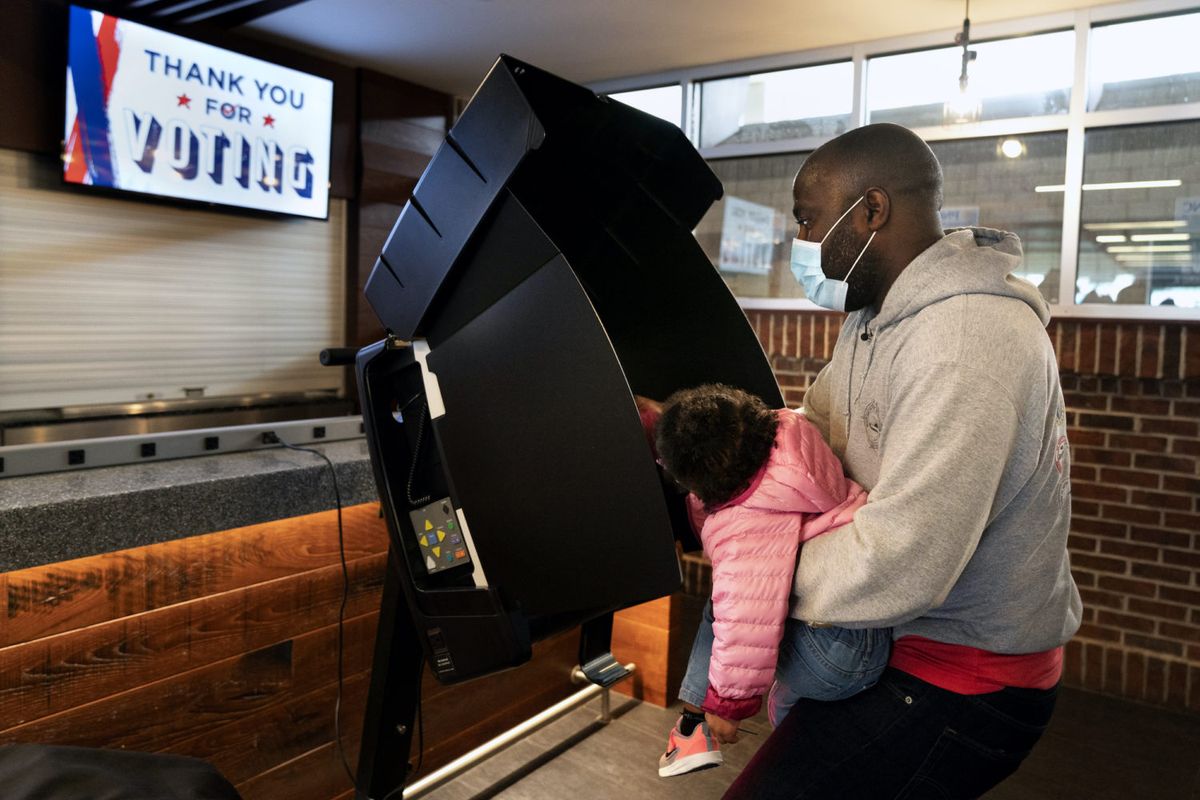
<point x="160" y="715"/>
<point x="236" y="663"/>
<point x="375" y="221"/>
<point x="400" y="147"/>
<point x="56" y="673"/>
<point x="42" y="601"/>
<point x="259" y="742"/>
<point x="640" y="635"/>
<point x="457" y="719"/>
<point x="33" y="76"/>
<point x="229" y="644"/>
<point x="383" y="97"/>
<point x="316" y="774"/>
<point x="657" y="636"/>
<point x="395" y="148"/>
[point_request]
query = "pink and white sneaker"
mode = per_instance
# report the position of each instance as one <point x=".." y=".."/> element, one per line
<point x="689" y="753"/>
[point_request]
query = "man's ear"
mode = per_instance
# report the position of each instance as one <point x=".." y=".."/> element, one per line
<point x="879" y="207"/>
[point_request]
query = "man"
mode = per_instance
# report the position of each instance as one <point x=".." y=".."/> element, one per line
<point x="942" y="398"/>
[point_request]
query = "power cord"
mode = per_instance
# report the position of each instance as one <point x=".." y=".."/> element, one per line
<point x="270" y="437"/>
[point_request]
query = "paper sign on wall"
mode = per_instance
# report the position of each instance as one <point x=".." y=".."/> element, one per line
<point x="748" y="234"/>
<point x="1188" y="210"/>
<point x="959" y="216"/>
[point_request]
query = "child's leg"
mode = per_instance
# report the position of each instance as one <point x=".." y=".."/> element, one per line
<point x="690" y="746"/>
<point x="695" y="679"/>
<point x="827" y="663"/>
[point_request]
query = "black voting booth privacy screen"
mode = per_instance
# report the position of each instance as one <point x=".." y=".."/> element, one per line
<point x="543" y="272"/>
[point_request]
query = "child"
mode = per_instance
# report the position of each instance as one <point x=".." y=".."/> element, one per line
<point x="761" y="481"/>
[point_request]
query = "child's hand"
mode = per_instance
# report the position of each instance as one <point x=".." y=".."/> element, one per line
<point x="724" y="730"/>
<point x="645" y="404"/>
<point x="649" y="411"/>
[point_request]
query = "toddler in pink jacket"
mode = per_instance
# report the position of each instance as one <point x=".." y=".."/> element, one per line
<point x="760" y="482"/>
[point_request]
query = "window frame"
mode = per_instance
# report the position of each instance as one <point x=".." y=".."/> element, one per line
<point x="1075" y="123"/>
<point x="683" y="94"/>
<point x="794" y="145"/>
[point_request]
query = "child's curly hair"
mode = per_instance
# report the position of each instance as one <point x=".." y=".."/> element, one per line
<point x="713" y="439"/>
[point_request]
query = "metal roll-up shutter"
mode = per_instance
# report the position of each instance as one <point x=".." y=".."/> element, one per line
<point x="106" y="300"/>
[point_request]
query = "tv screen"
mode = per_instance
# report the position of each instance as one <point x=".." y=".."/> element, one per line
<point x="155" y="113"/>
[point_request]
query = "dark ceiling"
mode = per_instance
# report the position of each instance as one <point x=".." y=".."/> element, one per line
<point x="170" y="13"/>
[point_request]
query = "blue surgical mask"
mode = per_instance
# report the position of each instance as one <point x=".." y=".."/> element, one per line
<point x="806" y="266"/>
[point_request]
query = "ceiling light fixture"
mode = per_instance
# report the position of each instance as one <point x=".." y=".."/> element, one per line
<point x="1158" y="237"/>
<point x="1138" y="225"/>
<point x="1111" y="238"/>
<point x="1012" y="148"/>
<point x="1145" y="258"/>
<point x="1150" y="248"/>
<point x="963" y="105"/>
<point x="1102" y="187"/>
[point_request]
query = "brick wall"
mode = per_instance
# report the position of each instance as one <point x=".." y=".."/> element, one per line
<point x="1132" y="391"/>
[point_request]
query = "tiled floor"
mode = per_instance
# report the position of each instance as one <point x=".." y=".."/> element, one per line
<point x="1098" y="748"/>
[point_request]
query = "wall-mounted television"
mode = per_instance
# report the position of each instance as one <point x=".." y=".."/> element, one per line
<point x="155" y="113"/>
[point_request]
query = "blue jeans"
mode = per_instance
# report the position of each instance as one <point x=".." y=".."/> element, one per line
<point x="902" y="739"/>
<point x="814" y="663"/>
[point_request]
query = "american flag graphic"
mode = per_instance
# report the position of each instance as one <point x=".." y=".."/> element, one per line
<point x="95" y="53"/>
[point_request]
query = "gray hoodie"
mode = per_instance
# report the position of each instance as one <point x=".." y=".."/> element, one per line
<point x="946" y="406"/>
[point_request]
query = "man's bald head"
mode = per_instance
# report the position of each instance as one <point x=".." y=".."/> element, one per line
<point x="870" y="197"/>
<point x="887" y="156"/>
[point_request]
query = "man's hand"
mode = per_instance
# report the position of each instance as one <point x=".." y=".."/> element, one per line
<point x="725" y="731"/>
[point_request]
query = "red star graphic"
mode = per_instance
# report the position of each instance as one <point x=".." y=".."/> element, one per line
<point x="268" y="121"/>
<point x="184" y="101"/>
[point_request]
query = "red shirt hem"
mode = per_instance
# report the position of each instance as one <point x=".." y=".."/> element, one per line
<point x="968" y="670"/>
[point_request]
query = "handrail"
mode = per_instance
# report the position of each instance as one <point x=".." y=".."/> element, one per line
<point x="510" y="737"/>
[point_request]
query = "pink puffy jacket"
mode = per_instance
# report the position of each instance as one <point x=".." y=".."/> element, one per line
<point x="752" y="540"/>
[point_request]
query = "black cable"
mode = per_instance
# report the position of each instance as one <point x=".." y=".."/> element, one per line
<point x="416" y="503"/>
<point x="337" y="706"/>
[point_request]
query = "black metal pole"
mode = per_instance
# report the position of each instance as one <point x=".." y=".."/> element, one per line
<point x="392" y="699"/>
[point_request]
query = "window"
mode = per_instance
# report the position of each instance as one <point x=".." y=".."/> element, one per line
<point x="1141" y="216"/>
<point x="1112" y="153"/>
<point x="993" y="183"/>
<point x="664" y="102"/>
<point x="773" y="106"/>
<point x="748" y="233"/>
<point x="1151" y="62"/>
<point x="1029" y="76"/>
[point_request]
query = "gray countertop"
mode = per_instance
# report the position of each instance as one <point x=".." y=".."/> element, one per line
<point x="55" y="517"/>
